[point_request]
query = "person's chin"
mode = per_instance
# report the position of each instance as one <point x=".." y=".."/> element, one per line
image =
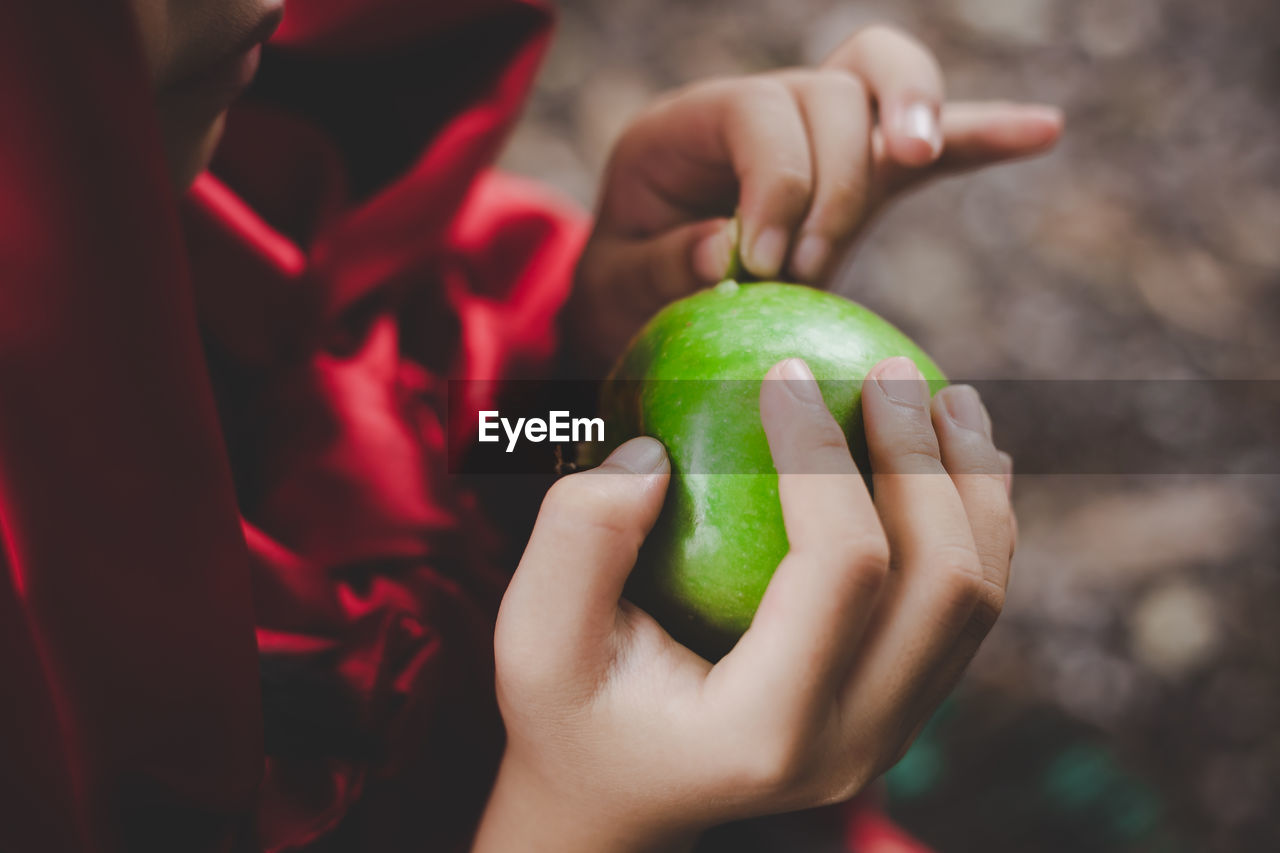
<point x="193" y="112"/>
<point x="189" y="149"/>
<point x="204" y="155"/>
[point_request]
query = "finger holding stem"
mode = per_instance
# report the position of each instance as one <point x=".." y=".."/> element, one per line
<point x="837" y="115"/>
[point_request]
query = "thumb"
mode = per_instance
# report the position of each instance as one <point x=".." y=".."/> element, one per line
<point x="563" y="598"/>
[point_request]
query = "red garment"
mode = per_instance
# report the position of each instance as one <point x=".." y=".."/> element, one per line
<point x="387" y="268"/>
<point x="243" y="606"/>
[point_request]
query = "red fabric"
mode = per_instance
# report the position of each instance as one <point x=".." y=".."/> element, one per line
<point x="128" y="656"/>
<point x="867" y="830"/>
<point x="129" y="637"/>
<point x="243" y="606"/>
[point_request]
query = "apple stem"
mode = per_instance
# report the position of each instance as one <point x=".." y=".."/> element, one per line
<point x="736" y="271"/>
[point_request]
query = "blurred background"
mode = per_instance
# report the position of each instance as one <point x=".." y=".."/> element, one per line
<point x="1130" y="697"/>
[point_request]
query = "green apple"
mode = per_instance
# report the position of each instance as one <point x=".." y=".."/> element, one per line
<point x="691" y="378"/>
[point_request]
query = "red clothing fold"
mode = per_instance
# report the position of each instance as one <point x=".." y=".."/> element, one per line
<point x="328" y="321"/>
<point x="335" y="309"/>
<point x="124" y="574"/>
<point x="243" y="605"/>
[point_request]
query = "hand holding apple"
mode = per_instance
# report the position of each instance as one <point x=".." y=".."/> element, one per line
<point x="805" y="156"/>
<point x="691" y="380"/>
<point x="620" y="739"/>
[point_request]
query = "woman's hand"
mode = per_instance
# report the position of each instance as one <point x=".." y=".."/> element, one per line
<point x="620" y="739"/>
<point x="806" y="156"/>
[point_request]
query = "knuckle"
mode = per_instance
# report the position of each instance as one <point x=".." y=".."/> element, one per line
<point x="845" y="787"/>
<point x="790" y="184"/>
<point x="848" y="772"/>
<point x="917" y="435"/>
<point x="878" y="32"/>
<point x="567" y="495"/>
<point x="707" y="89"/>
<point x="865" y="560"/>
<point x="832" y="85"/>
<point x="583" y="502"/>
<point x="767" y="88"/>
<point x="912" y="419"/>
<point x="974" y="451"/>
<point x="900" y="752"/>
<point x="778" y="765"/>
<point x="824" y="434"/>
<point x="846" y="191"/>
<point x="916" y="453"/>
<point x="747" y="97"/>
<point x="841" y="205"/>
<point x="818" y="450"/>
<point x="997" y="496"/>
<point x="845" y="84"/>
<point x="959" y="586"/>
<point x="989" y="517"/>
<point x="910" y="439"/>
<point x="801" y="78"/>
<point x="987" y="608"/>
<point x="511" y="657"/>
<point x="520" y="665"/>
<point x="881" y="38"/>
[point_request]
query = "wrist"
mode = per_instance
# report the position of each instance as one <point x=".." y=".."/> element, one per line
<point x="526" y="812"/>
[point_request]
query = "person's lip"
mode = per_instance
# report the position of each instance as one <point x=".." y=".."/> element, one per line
<point x="272" y="15"/>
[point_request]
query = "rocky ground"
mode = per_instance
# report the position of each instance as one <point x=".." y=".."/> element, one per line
<point x="1142" y="623"/>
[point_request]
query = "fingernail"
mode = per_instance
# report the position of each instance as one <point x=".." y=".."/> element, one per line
<point x="810" y="257"/>
<point x="1043" y="112"/>
<point x="641" y="455"/>
<point x="800" y="381"/>
<point x="711" y="257"/>
<point x="767" y="252"/>
<point x="920" y="121"/>
<point x="901" y="380"/>
<point x="964" y="407"/>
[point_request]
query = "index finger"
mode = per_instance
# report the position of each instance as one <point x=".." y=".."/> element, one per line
<point x="804" y="634"/>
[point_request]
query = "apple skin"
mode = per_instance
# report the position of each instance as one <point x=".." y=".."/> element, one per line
<point x="703" y="570"/>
